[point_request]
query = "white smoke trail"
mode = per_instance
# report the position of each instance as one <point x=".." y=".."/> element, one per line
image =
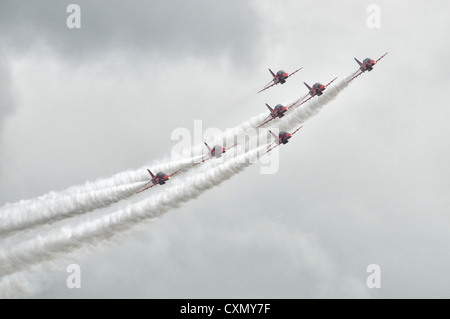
<point x="168" y="164"/>
<point x="79" y="200"/>
<point x="295" y="116"/>
<point x="68" y="238"/>
<point x="84" y="198"/>
<point x="311" y="108"/>
<point x="22" y="284"/>
<point x="47" y="208"/>
<point x="125" y="177"/>
<point x="64" y="206"/>
<point x="139" y="175"/>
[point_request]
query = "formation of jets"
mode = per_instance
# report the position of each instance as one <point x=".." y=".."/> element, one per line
<point x="277" y="112"/>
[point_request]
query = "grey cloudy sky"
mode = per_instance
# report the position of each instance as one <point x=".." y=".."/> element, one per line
<point x="366" y="181"/>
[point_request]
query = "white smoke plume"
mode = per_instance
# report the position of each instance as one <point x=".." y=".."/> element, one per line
<point x="77" y="200"/>
<point x="63" y="206"/>
<point x="101" y="193"/>
<point x="122" y="178"/>
<point x="18" y="257"/>
<point x="84" y="198"/>
<point x="61" y="241"/>
<point x="300" y="114"/>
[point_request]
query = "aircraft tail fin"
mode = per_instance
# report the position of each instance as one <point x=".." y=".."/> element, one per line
<point x="358" y="61"/>
<point x="309" y="88"/>
<point x="151" y="174"/>
<point x="273" y="134"/>
<point x="273" y="74"/>
<point x="270" y="109"/>
<point x="209" y="148"/>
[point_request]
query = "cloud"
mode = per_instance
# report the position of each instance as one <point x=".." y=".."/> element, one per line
<point x="7" y="107"/>
<point x="6" y="98"/>
<point x="366" y="179"/>
<point x="162" y="28"/>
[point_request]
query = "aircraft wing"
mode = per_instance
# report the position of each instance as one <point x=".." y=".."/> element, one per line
<point x="295" y="71"/>
<point x="174" y="173"/>
<point x="266" y="120"/>
<point x="355" y="75"/>
<point x="304" y="101"/>
<point x="297" y="130"/>
<point x="230" y="147"/>
<point x="203" y="160"/>
<point x="381" y="57"/>
<point x="301" y="99"/>
<point x="331" y="82"/>
<point x="271" y="148"/>
<point x="267" y="86"/>
<point x="146" y="188"/>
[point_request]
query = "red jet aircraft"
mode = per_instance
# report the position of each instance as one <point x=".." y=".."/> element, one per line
<point x="215" y="152"/>
<point x="366" y="65"/>
<point x="277" y="111"/>
<point x="160" y="178"/>
<point x="282" y="138"/>
<point x="316" y="89"/>
<point x="280" y="77"/>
